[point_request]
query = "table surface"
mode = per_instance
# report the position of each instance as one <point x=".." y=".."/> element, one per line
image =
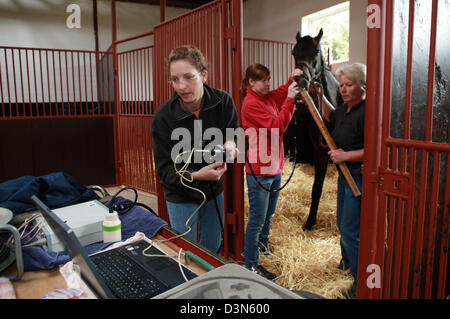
<point x="36" y="284"/>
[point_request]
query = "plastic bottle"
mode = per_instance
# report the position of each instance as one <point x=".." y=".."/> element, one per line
<point x="112" y="228"/>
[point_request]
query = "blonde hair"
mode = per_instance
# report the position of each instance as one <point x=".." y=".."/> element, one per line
<point x="356" y="72"/>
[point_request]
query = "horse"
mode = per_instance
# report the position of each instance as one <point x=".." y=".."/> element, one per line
<point x="311" y="148"/>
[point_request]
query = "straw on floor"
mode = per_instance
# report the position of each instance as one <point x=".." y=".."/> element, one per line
<point x="306" y="260"/>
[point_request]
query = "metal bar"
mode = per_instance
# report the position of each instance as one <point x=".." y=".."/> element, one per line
<point x="443" y="250"/>
<point x="428" y="146"/>
<point x="409" y="62"/>
<point x="109" y="87"/>
<point x="80" y="102"/>
<point x="418" y="261"/>
<point x="21" y="82"/>
<point x="42" y="84"/>
<point x="28" y="82"/>
<point x="432" y="227"/>
<point x="48" y="49"/>
<point x="431" y="73"/>
<point x="35" y="85"/>
<point x="7" y="82"/>
<point x="54" y="83"/>
<point x="15" y="84"/>
<point x="409" y="223"/>
<point x="1" y="91"/>
<point x="85" y="112"/>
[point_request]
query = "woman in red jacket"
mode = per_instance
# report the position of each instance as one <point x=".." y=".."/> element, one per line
<point x="265" y="117"/>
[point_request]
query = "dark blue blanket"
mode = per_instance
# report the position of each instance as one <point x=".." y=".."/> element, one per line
<point x="55" y="190"/>
<point x="136" y="220"/>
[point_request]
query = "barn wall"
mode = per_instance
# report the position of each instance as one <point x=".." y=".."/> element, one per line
<point x="42" y="24"/>
<point x="260" y="21"/>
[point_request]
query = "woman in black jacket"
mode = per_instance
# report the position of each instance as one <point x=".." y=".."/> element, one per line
<point x="193" y="187"/>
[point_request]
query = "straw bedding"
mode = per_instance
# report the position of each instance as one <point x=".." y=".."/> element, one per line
<point x="305" y="260"/>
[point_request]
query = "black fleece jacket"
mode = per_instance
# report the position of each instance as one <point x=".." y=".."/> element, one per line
<point x="218" y="111"/>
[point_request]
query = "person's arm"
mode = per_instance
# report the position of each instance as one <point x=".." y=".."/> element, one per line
<point x="340" y="156"/>
<point x="328" y="108"/>
<point x="258" y="115"/>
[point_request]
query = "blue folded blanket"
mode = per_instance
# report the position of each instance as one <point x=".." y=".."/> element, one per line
<point x="54" y="189"/>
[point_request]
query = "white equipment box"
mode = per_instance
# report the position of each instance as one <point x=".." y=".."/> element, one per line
<point x="85" y="219"/>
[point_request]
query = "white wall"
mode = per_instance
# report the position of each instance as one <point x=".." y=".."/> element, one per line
<point x="42" y="24"/>
<point x="281" y="20"/>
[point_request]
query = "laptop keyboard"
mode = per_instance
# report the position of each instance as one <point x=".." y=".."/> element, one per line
<point x="125" y="278"/>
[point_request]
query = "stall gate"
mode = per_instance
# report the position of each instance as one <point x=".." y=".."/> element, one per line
<point x="57" y="113"/>
<point x="135" y="87"/>
<point x="215" y="28"/>
<point x="406" y="191"/>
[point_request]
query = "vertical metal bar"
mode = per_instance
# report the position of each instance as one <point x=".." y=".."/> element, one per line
<point x="102" y="69"/>
<point x="44" y="112"/>
<point x="73" y="85"/>
<point x="431" y="72"/>
<point x="15" y="83"/>
<point x="61" y="82"/>
<point x="109" y="87"/>
<point x="48" y="84"/>
<point x="54" y="83"/>
<point x="408" y="92"/>
<point x="1" y="90"/>
<point x="21" y="82"/>
<point x="379" y="67"/>
<point x="7" y="82"/>
<point x="35" y="86"/>
<point x="28" y="83"/>
<point x="443" y="260"/>
<point x="418" y="271"/>
<point x="80" y="111"/>
<point x="407" y="253"/>
<point x="117" y="123"/>
<point x="432" y="227"/>
<point x="84" y="112"/>
<point x="67" y="84"/>
<point x="91" y="75"/>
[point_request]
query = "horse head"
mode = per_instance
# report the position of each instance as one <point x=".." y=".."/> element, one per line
<point x="308" y="58"/>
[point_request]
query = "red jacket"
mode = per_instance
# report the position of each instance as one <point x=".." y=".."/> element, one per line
<point x="272" y="112"/>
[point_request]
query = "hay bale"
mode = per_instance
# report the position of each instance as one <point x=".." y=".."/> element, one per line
<point x="306" y="260"/>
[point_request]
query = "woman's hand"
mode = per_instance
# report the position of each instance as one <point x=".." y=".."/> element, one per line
<point x="293" y="90"/>
<point x="296" y="72"/>
<point x="338" y="156"/>
<point x="212" y="172"/>
<point x="231" y="149"/>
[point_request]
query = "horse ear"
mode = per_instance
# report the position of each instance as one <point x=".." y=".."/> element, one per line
<point x="299" y="36"/>
<point x="319" y="36"/>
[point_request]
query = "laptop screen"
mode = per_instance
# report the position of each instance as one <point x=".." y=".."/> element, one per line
<point x="75" y="250"/>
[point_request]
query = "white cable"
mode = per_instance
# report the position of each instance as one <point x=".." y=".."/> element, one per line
<point x="181" y="172"/>
<point x="179" y="264"/>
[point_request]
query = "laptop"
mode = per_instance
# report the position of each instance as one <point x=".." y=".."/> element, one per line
<point x="123" y="272"/>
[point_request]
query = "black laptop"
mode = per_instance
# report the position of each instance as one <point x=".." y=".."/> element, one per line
<point x="122" y="272"/>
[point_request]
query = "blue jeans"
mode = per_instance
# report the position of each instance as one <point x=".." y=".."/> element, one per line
<point x="262" y="207"/>
<point x="205" y="222"/>
<point x="348" y="221"/>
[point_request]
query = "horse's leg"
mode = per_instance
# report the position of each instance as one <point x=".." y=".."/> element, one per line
<point x="320" y="171"/>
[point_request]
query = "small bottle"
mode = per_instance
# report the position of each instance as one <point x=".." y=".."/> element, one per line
<point x="112" y="228"/>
